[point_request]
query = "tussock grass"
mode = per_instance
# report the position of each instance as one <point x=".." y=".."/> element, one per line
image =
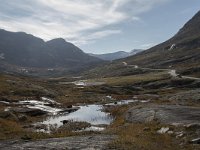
<point x="140" y="136"/>
<point x="123" y="80"/>
<point x="9" y="129"/>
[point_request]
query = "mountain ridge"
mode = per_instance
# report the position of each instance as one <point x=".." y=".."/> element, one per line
<point x="20" y="49"/>
<point x="181" y="52"/>
<point x="116" y="55"/>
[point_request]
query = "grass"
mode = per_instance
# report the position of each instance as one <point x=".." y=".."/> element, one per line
<point x="130" y="136"/>
<point x="141" y="136"/>
<point x="133" y="79"/>
<point x="133" y="136"/>
<point x="9" y="129"/>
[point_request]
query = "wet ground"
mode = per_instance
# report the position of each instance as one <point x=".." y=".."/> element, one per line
<point x="57" y="116"/>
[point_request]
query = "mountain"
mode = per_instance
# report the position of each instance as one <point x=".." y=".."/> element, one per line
<point x="181" y="52"/>
<point x="116" y="55"/>
<point x="19" y="50"/>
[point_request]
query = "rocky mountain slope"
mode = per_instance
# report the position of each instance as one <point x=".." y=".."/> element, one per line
<point x="20" y="50"/>
<point x="181" y="52"/>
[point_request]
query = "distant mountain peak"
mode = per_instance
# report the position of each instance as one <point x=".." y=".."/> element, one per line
<point x="116" y="55"/>
<point x="191" y="27"/>
<point x="182" y="50"/>
<point x="18" y="49"/>
<point x="57" y="40"/>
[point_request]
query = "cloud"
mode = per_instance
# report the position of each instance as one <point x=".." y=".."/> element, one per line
<point x="79" y="21"/>
<point x="90" y="38"/>
<point x="146" y="46"/>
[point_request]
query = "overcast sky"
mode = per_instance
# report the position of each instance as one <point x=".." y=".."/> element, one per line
<point x="99" y="26"/>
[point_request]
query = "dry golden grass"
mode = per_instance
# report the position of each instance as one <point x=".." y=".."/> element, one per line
<point x="140" y="136"/>
<point x="9" y="129"/>
<point x="136" y="78"/>
<point x="133" y="136"/>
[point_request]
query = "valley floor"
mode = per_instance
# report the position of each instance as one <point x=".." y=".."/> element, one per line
<point x="164" y="112"/>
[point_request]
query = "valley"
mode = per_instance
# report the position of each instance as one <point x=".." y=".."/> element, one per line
<point x="67" y="96"/>
<point x="53" y="95"/>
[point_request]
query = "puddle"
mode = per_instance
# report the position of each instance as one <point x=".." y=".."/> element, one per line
<point x="83" y="83"/>
<point x="92" y="114"/>
<point x="87" y="83"/>
<point x="94" y="128"/>
<point x="122" y="102"/>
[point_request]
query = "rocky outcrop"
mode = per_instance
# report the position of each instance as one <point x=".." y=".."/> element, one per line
<point x="70" y="110"/>
<point x="27" y="111"/>
<point x="96" y="142"/>
<point x="190" y="96"/>
<point x="168" y="114"/>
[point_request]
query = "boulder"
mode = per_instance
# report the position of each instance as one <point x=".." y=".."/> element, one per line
<point x="167" y="114"/>
<point x="22" y="117"/>
<point x="195" y="141"/>
<point x="64" y="121"/>
<point x="69" y="110"/>
<point x="28" y="111"/>
<point x="163" y="130"/>
<point x="4" y="114"/>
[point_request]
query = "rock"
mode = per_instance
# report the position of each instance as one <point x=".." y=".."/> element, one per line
<point x="5" y="99"/>
<point x="146" y="129"/>
<point x="167" y="114"/>
<point x="193" y="126"/>
<point x="69" y="106"/>
<point x="179" y="134"/>
<point x="4" y="114"/>
<point x="28" y="126"/>
<point x="163" y="130"/>
<point x="156" y="85"/>
<point x="190" y="96"/>
<point x="69" y="110"/>
<point x="28" y="111"/>
<point x="40" y="127"/>
<point x="170" y="132"/>
<point x="74" y="126"/>
<point x="22" y="118"/>
<point x="140" y="116"/>
<point x="8" y="115"/>
<point x="97" y="142"/>
<point x="26" y="138"/>
<point x="64" y="121"/>
<point x="195" y="141"/>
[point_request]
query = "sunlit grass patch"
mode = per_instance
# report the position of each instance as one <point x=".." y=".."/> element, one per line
<point x="136" y="78"/>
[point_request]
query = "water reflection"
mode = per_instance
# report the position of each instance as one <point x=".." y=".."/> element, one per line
<point x="92" y="114"/>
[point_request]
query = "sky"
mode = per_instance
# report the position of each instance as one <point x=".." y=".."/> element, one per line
<point x="99" y="26"/>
